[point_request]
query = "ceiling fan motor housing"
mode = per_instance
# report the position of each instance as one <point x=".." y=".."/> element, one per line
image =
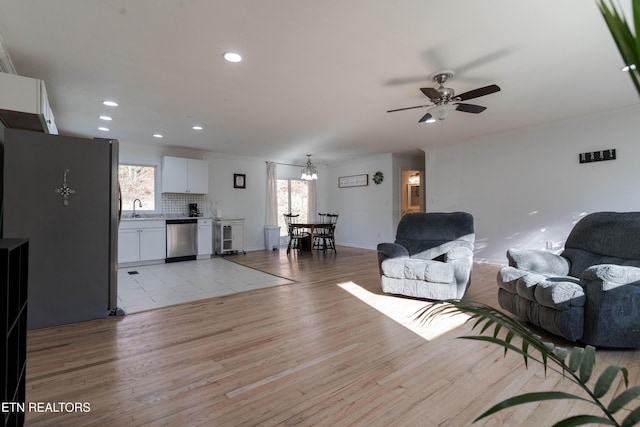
<point x="446" y="94"/>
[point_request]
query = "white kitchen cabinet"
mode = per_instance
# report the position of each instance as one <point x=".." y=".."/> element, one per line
<point x="228" y="235"/>
<point x="24" y="104"/>
<point x="128" y="245"/>
<point x="142" y="241"/>
<point x="205" y="237"/>
<point x="153" y="243"/>
<point x="182" y="175"/>
<point x="198" y="176"/>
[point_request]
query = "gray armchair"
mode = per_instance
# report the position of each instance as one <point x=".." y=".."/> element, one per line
<point x="588" y="293"/>
<point x="431" y="257"/>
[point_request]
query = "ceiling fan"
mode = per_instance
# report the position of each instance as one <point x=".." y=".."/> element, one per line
<point x="444" y="100"/>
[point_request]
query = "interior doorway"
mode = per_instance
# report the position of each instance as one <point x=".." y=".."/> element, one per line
<point x="412" y="191"/>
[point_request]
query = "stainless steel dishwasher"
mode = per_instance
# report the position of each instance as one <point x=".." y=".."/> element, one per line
<point x="182" y="239"/>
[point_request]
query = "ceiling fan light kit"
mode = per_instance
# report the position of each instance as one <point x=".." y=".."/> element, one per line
<point x="444" y="99"/>
<point x="441" y="112"/>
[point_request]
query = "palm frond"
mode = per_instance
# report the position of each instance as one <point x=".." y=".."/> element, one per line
<point x="627" y="42"/>
<point x="495" y="327"/>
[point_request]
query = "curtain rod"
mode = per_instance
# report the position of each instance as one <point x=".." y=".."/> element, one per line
<point x="286" y="164"/>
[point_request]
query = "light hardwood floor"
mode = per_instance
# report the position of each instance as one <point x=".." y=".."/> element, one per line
<point x="318" y="352"/>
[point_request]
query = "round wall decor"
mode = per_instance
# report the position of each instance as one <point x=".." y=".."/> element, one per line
<point x="378" y="177"/>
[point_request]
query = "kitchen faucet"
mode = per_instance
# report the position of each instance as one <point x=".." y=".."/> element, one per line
<point x="134" y="207"/>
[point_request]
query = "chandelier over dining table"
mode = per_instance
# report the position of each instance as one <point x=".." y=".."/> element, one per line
<point x="309" y="172"/>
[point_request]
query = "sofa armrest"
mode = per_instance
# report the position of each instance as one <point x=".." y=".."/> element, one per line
<point x="458" y="254"/>
<point x="538" y="261"/>
<point x="612" y="275"/>
<point x="392" y="250"/>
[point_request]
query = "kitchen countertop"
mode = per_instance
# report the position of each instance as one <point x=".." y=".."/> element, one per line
<point x="162" y="218"/>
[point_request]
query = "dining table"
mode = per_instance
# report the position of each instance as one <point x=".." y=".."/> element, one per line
<point x="312" y="227"/>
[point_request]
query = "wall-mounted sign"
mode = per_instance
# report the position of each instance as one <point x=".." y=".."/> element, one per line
<point x="353" y="181"/>
<point x="597" y="156"/>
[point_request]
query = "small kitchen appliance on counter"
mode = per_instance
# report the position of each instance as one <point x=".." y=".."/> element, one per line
<point x="193" y="209"/>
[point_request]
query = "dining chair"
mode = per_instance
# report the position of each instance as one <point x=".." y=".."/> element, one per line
<point x="324" y="236"/>
<point x="319" y="230"/>
<point x="296" y="235"/>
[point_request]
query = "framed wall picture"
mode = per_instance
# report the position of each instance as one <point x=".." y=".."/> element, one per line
<point x="239" y="180"/>
<point x="353" y="181"/>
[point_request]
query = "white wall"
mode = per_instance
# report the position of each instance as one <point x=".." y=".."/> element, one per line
<point x="526" y="187"/>
<point x="368" y="214"/>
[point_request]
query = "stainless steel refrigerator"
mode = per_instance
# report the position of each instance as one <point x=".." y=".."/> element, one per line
<point x="61" y="193"/>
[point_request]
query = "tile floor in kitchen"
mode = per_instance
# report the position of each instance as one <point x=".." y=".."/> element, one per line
<point x="154" y="286"/>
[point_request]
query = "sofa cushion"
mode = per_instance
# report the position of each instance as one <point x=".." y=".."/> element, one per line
<point x="418" y="269"/>
<point x="614" y="234"/>
<point x="559" y="294"/>
<point x="420" y="232"/>
<point x="581" y="260"/>
<point x="538" y="261"/>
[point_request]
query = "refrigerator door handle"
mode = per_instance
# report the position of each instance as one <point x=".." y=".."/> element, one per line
<point x="119" y="203"/>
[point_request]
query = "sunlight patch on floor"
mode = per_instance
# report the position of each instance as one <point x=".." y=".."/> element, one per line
<point x="403" y="311"/>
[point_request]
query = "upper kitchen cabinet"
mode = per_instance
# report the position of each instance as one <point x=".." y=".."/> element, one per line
<point x="181" y="175"/>
<point x="24" y="104"/>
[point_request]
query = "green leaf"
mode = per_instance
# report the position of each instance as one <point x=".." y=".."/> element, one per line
<point x="561" y="353"/>
<point x="575" y="359"/>
<point x="621" y="400"/>
<point x="605" y="380"/>
<point x="588" y="362"/>
<point x="580" y="420"/>
<point x="632" y="419"/>
<point x="527" y="398"/>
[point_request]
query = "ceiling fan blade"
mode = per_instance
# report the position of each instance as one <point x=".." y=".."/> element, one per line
<point x="471" y="108"/>
<point x="431" y="93"/>
<point x="478" y="92"/>
<point x="407" y="108"/>
<point x="406" y="80"/>
<point x="425" y="118"/>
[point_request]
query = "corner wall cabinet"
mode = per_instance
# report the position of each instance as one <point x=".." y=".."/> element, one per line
<point x="229" y="235"/>
<point x="25" y="105"/>
<point x="14" y="255"/>
<point x="205" y="238"/>
<point x="142" y="240"/>
<point x="181" y="175"/>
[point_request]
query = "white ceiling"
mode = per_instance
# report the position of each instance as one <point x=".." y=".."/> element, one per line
<point x="317" y="75"/>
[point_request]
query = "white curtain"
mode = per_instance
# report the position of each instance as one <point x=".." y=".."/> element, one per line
<point x="312" y="215"/>
<point x="271" y="214"/>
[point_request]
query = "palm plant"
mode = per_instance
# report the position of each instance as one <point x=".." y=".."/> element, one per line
<point x="498" y="328"/>
<point x="625" y="35"/>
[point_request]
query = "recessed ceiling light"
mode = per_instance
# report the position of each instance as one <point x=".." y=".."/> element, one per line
<point x="232" y="56"/>
<point x="157" y="135"/>
<point x="197" y="127"/>
<point x="105" y="118"/>
<point x="103" y="129"/>
<point x="629" y="67"/>
<point x="431" y="120"/>
<point x="110" y="103"/>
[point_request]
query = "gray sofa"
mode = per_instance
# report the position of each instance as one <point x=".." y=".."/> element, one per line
<point x="431" y="257"/>
<point x="590" y="292"/>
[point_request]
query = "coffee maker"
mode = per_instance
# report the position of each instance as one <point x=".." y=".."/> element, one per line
<point x="193" y="209"/>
